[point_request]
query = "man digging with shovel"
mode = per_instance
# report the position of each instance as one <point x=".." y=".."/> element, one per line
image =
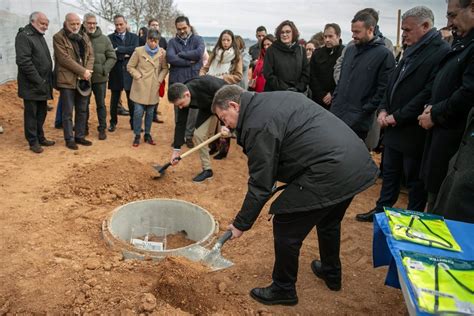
<point x="198" y="94"/>
<point x="289" y="138"/>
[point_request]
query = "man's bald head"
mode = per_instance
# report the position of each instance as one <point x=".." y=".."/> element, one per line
<point x="40" y="21"/>
<point x="72" y="22"/>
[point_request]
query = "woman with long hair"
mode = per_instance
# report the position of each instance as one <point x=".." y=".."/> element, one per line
<point x="258" y="80"/>
<point x="286" y="66"/>
<point x="225" y="62"/>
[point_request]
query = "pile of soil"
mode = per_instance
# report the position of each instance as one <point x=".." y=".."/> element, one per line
<point x="55" y="261"/>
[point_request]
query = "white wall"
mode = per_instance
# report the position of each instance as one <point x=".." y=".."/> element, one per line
<point x="14" y="14"/>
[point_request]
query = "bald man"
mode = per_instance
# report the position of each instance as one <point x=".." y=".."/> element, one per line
<point x="35" y="84"/>
<point x="74" y="61"/>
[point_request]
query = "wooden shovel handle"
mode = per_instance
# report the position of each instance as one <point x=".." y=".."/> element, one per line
<point x="205" y="143"/>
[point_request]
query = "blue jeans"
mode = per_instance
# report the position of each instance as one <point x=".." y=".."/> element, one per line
<point x="138" y="117"/>
<point x="58" y="121"/>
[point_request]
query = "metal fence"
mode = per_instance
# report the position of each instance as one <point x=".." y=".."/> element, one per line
<point x="14" y="14"/>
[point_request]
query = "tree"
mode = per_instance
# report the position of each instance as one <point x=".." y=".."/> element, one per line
<point x="104" y="8"/>
<point x="138" y="12"/>
<point x="166" y="12"/>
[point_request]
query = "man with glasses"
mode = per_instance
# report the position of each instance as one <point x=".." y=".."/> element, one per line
<point x="104" y="60"/>
<point x="124" y="44"/>
<point x="451" y="99"/>
<point x="184" y="54"/>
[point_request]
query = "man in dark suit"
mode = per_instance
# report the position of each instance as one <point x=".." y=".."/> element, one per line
<point x="451" y="99"/>
<point x="409" y="89"/>
<point x="124" y="44"/>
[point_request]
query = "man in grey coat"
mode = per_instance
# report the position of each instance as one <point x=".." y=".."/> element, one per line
<point x="35" y="78"/>
<point x="288" y="138"/>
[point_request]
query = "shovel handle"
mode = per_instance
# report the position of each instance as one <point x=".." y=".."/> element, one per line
<point x="195" y="148"/>
<point x="220" y="242"/>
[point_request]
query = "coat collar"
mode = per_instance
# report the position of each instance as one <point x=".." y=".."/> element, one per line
<point x="245" y="100"/>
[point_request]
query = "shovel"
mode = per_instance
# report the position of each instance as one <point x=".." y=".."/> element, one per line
<point x="161" y="169"/>
<point x="211" y="258"/>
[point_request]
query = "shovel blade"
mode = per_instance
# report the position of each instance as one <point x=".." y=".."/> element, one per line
<point x="215" y="261"/>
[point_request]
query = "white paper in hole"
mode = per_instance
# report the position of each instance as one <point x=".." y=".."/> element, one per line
<point x="147" y="245"/>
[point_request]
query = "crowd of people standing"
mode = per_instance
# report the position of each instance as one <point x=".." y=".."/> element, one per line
<point x="419" y="97"/>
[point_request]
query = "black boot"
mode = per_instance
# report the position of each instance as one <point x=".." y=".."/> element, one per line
<point x="366" y="217"/>
<point x="332" y="282"/>
<point x="271" y="295"/>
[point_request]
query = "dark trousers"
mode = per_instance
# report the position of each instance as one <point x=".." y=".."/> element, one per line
<point x="73" y="102"/>
<point x="289" y="231"/>
<point x="395" y="164"/>
<point x="99" y="90"/>
<point x="34" y="116"/>
<point x="58" y="120"/>
<point x="114" y="100"/>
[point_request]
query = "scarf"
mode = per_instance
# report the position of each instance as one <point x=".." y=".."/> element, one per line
<point x="221" y="63"/>
<point x="151" y="52"/>
<point x="78" y="43"/>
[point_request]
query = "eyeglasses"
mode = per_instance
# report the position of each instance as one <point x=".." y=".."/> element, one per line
<point x="286" y="32"/>
<point x="309" y="49"/>
<point x="452" y="15"/>
<point x="91" y="23"/>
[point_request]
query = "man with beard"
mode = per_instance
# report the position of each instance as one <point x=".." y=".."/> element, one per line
<point x="409" y="89"/>
<point x="74" y="61"/>
<point x="104" y="60"/>
<point x="35" y="78"/>
<point x="184" y="54"/>
<point x="364" y="75"/>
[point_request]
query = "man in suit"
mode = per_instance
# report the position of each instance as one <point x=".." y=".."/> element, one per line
<point x="409" y="89"/>
<point x="451" y="99"/>
<point x="124" y="44"/>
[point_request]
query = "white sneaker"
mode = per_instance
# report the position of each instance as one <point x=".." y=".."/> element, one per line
<point x="1" y="129"/>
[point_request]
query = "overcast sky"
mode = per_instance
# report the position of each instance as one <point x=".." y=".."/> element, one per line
<point x="243" y="16"/>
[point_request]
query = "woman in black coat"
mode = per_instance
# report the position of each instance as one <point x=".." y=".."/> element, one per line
<point x="286" y="66"/>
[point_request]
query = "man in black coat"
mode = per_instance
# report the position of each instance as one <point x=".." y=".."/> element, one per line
<point x="288" y="138"/>
<point x="451" y="99"/>
<point x="321" y="81"/>
<point x="124" y="44"/>
<point x="364" y="76"/>
<point x="456" y="195"/>
<point x="35" y="78"/>
<point x="195" y="94"/>
<point x="409" y="89"/>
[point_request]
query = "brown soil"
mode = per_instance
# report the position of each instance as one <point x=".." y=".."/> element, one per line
<point x="53" y="259"/>
<point x="173" y="241"/>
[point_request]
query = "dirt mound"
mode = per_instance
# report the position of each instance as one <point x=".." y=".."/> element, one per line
<point x="122" y="179"/>
<point x="191" y="287"/>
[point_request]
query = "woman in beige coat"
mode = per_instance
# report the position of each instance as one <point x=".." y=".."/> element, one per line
<point x="148" y="68"/>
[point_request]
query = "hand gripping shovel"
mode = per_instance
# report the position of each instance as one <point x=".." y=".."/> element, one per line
<point x="161" y="169"/>
<point x="211" y="258"/>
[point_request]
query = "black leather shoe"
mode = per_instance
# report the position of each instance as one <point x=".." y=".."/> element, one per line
<point x="366" y="217"/>
<point x="71" y="145"/>
<point x="123" y="112"/>
<point x="221" y="155"/>
<point x="83" y="141"/>
<point x="333" y="283"/>
<point x="189" y="143"/>
<point x="270" y="295"/>
<point x="112" y="128"/>
<point x="204" y="175"/>
<point x="45" y="142"/>
<point x="36" y="148"/>
<point x="102" y="135"/>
